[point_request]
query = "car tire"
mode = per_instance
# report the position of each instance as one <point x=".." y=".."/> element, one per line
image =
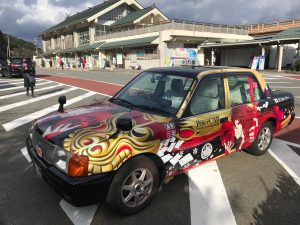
<point x="263" y="141"/>
<point x="134" y="186"/>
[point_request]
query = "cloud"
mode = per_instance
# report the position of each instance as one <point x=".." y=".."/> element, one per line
<point x="26" y="18"/>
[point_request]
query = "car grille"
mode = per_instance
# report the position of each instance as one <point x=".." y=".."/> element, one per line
<point x="46" y="147"/>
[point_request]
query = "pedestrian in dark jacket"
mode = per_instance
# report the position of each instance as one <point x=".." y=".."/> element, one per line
<point x="29" y="82"/>
<point x="29" y="76"/>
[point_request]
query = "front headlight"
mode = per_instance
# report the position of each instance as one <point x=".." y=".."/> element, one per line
<point x="61" y="159"/>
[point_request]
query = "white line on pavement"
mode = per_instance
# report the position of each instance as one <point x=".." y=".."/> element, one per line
<point x="289" y="160"/>
<point x="25" y="153"/>
<point x="279" y="82"/>
<point x="286" y="87"/>
<point x="8" y="80"/>
<point x="1" y="84"/>
<point x="26" y="102"/>
<point x="35" y="90"/>
<point x="79" y="215"/>
<point x="207" y="195"/>
<point x="20" y="87"/>
<point x="26" y="119"/>
<point x="271" y="78"/>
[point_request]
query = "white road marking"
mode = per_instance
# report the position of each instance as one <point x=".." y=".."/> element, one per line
<point x="289" y="160"/>
<point x="279" y="82"/>
<point x="25" y="153"/>
<point x="79" y="215"/>
<point x="208" y="198"/>
<point x="26" y="119"/>
<point x="20" y="87"/>
<point x="297" y="117"/>
<point x="26" y="102"/>
<point x="271" y="78"/>
<point x="285" y="87"/>
<point x="1" y="84"/>
<point x="7" y="80"/>
<point x="35" y="90"/>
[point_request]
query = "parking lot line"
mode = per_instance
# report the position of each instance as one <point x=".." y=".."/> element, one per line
<point x="79" y="215"/>
<point x="288" y="159"/>
<point x="28" y="118"/>
<point x="207" y="195"/>
<point x="26" y="102"/>
<point x="25" y="154"/>
<point x="20" y="87"/>
<point x="35" y="90"/>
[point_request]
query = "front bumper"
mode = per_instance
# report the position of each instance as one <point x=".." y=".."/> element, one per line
<point x="78" y="191"/>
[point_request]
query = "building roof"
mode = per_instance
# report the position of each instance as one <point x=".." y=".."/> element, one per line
<point x="293" y="32"/>
<point x="131" y="17"/>
<point x="82" y="48"/>
<point x="288" y="36"/>
<point x="84" y="15"/>
<point x="129" y="43"/>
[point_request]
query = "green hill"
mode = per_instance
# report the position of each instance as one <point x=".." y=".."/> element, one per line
<point x="18" y="47"/>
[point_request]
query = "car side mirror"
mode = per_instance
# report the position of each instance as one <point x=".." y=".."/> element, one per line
<point x="124" y="124"/>
<point x="61" y="100"/>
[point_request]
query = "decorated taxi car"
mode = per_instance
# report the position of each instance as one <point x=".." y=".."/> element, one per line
<point x="164" y="122"/>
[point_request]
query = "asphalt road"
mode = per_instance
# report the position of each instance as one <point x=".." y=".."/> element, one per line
<point x="239" y="189"/>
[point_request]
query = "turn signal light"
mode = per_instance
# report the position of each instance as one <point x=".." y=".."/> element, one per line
<point x="78" y="165"/>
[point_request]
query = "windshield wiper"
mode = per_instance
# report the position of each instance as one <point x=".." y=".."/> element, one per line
<point x="121" y="101"/>
<point x="151" y="108"/>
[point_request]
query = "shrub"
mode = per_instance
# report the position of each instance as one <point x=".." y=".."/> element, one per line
<point x="297" y="65"/>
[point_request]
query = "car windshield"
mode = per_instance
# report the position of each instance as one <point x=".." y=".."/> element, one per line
<point x="155" y="92"/>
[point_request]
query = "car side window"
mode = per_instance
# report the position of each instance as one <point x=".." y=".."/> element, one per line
<point x="257" y="92"/>
<point x="239" y="90"/>
<point x="208" y="97"/>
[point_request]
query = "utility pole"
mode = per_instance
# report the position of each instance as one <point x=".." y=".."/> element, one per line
<point x="35" y="41"/>
<point x="8" y="48"/>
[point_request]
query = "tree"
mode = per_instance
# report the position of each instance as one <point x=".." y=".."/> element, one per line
<point x="3" y="46"/>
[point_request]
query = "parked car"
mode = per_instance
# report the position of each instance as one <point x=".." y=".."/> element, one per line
<point x="15" y="67"/>
<point x="164" y="122"/>
<point x="28" y="66"/>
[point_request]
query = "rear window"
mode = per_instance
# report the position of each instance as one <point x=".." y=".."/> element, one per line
<point x="16" y="61"/>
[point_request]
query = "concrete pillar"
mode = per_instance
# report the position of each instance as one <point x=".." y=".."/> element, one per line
<point x="101" y="58"/>
<point x="44" y="45"/>
<point x="76" y="39"/>
<point x="212" y="59"/>
<point x="263" y="50"/>
<point x="280" y="53"/>
<point x="162" y="50"/>
<point x="92" y="33"/>
<point x="52" y="43"/>
<point x="276" y="57"/>
<point x="201" y="56"/>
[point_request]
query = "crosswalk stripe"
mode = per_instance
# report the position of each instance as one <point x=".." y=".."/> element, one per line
<point x="288" y="159"/>
<point x="35" y="90"/>
<point x="7" y="80"/>
<point x="26" y="102"/>
<point x="5" y="84"/>
<point x="207" y="195"/>
<point x="28" y="118"/>
<point x="20" y="87"/>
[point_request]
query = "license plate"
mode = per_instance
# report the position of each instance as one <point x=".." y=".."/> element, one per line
<point x="38" y="171"/>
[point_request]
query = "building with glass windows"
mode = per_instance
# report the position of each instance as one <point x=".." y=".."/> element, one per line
<point x="124" y="34"/>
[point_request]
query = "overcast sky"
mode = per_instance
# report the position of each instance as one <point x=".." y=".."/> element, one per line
<point x="25" y="18"/>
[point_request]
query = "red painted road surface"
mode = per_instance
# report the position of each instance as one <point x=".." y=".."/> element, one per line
<point x="291" y="133"/>
<point x="97" y="86"/>
<point x="295" y="77"/>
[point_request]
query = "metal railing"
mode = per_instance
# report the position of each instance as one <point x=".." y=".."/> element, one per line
<point x="174" y="25"/>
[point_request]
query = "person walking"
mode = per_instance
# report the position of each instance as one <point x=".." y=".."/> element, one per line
<point x="29" y="76"/>
<point x="62" y="65"/>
